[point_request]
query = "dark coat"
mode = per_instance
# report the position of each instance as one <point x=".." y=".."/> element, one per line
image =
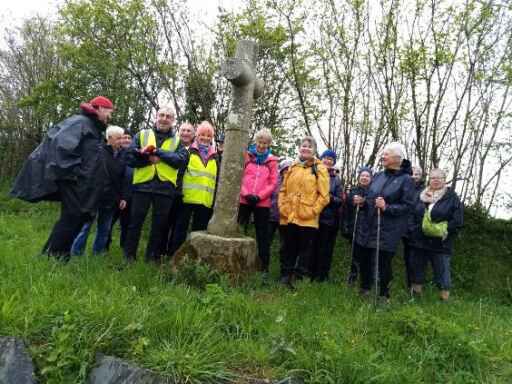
<point x="330" y="215"/>
<point x="177" y="159"/>
<point x="397" y="189"/>
<point x="448" y="208"/>
<point x="349" y="215"/>
<point x="69" y="152"/>
<point x="114" y="170"/>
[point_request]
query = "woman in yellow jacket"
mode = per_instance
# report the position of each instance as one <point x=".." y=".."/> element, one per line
<point x="304" y="194"/>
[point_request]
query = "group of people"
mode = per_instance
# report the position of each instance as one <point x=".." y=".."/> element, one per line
<point x="98" y="172"/>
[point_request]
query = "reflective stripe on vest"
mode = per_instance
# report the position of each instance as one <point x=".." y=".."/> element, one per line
<point x="199" y="181"/>
<point x="164" y="171"/>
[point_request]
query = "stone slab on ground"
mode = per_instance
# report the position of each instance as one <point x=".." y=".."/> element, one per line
<point x="15" y="363"/>
<point x="111" y="370"/>
<point x="236" y="256"/>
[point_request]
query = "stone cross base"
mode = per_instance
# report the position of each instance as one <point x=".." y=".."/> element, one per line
<point x="235" y="256"/>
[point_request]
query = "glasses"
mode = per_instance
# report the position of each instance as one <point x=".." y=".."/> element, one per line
<point x="165" y="115"/>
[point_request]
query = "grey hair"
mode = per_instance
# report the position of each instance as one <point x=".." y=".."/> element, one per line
<point x="438" y="171"/>
<point x="396" y="148"/>
<point x="311" y="141"/>
<point x="113" y="130"/>
<point x="167" y="108"/>
<point x="263" y="133"/>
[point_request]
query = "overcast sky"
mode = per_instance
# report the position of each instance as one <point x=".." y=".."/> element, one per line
<point x="14" y="11"/>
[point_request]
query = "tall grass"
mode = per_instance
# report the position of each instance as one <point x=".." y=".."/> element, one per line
<point x="209" y="332"/>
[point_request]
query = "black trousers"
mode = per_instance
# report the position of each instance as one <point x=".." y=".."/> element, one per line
<point x="323" y="248"/>
<point x="272" y="228"/>
<point x="123" y="215"/>
<point x="407" y="262"/>
<point x="69" y="224"/>
<point x="200" y="216"/>
<point x="261" y="219"/>
<point x="169" y="230"/>
<point x="298" y="248"/>
<point x="355" y="264"/>
<point x="141" y="202"/>
<point x="367" y="257"/>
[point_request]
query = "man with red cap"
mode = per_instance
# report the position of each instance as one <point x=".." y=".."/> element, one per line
<point x="66" y="167"/>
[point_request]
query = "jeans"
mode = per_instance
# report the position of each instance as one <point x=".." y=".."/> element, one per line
<point x="440" y="266"/>
<point x="104" y="224"/>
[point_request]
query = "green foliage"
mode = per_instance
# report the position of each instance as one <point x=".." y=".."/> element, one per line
<point x="196" y="328"/>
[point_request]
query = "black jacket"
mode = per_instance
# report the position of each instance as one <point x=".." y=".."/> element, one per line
<point x="114" y="172"/>
<point x="448" y="208"/>
<point x="349" y="215"/>
<point x="69" y="152"/>
<point x="177" y="159"/>
<point x="397" y="189"/>
<point x="330" y="215"/>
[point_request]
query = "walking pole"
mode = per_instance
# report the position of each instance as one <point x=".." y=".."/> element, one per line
<point x="377" y="251"/>
<point x="353" y="243"/>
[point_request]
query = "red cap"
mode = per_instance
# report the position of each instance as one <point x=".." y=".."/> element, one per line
<point x="101" y="101"/>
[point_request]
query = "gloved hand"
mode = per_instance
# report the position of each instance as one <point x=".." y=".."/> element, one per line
<point x="252" y="199"/>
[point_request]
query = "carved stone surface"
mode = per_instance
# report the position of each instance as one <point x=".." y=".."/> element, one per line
<point x="235" y="256"/>
<point x="15" y="363"/>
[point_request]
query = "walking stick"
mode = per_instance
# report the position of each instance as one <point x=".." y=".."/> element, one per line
<point x="377" y="251"/>
<point x="353" y="243"/>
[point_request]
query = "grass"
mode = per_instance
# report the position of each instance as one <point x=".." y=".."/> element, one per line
<point x="322" y="333"/>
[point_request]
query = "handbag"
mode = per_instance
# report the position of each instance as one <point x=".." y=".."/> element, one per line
<point x="433" y="229"/>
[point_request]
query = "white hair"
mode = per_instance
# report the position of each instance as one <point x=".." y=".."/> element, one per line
<point x="114" y="130"/>
<point x="439" y="172"/>
<point x="396" y="148"/>
<point x="263" y="133"/>
<point x="167" y="108"/>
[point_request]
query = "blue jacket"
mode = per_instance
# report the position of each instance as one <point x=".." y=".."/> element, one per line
<point x="397" y="189"/>
<point x="448" y="208"/>
<point x="330" y="215"/>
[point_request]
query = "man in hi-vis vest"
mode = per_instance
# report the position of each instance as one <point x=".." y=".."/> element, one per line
<point x="156" y="156"/>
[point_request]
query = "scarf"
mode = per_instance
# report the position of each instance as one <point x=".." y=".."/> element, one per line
<point x="430" y="196"/>
<point x="203" y="151"/>
<point x="260" y="157"/>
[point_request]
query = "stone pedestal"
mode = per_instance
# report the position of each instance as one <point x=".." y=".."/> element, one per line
<point x="15" y="363"/>
<point x="235" y="256"/>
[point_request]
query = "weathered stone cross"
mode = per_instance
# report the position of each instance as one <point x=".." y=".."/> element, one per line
<point x="222" y="246"/>
<point x="240" y="71"/>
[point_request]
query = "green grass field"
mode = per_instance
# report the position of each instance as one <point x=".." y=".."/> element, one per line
<point x="213" y="333"/>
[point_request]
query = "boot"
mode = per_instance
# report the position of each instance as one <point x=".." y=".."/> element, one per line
<point x="444" y="295"/>
<point x="416" y="289"/>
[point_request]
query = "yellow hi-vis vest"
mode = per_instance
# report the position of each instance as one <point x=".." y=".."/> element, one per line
<point x="199" y="181"/>
<point x="164" y="171"/>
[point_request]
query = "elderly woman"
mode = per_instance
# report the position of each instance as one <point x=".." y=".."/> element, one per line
<point x="304" y="194"/>
<point x="112" y="193"/>
<point x="258" y="182"/>
<point x="199" y="184"/>
<point x="390" y="196"/>
<point x="351" y="226"/>
<point x="433" y="224"/>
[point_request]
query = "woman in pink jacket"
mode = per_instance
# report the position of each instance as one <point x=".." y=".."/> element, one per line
<point x="258" y="182"/>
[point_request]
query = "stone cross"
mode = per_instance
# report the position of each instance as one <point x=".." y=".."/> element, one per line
<point x="240" y="71"/>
